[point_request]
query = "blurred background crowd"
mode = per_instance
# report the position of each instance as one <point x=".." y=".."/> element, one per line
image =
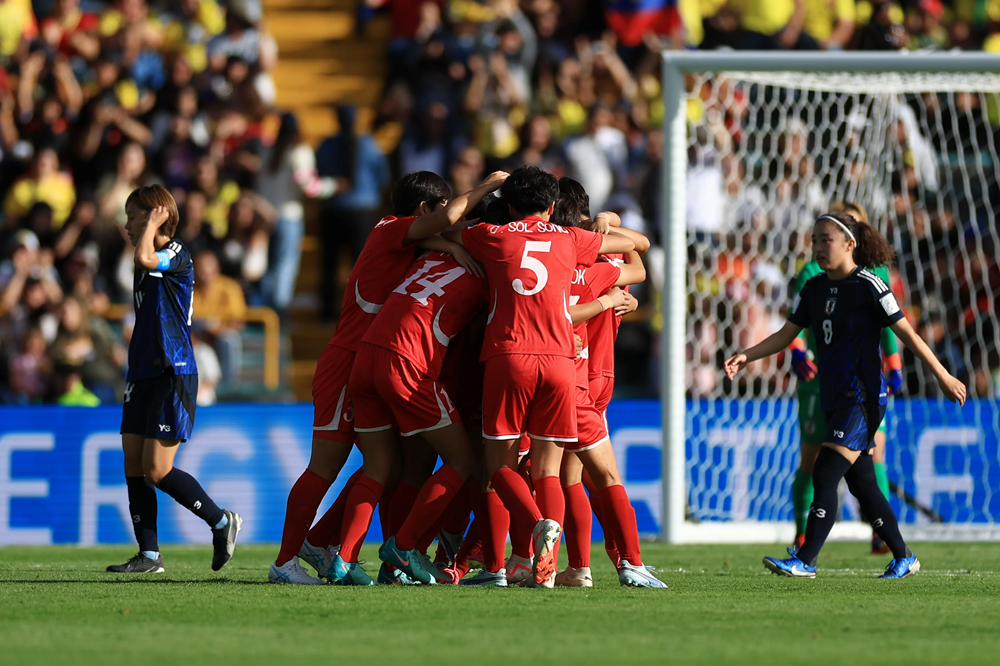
<point x="97" y="98"/>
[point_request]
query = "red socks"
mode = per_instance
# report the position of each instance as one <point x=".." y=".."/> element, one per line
<point x="579" y="522"/>
<point x="550" y="499"/>
<point x="429" y="506"/>
<point x="358" y="515"/>
<point x="326" y="531"/>
<point x="620" y="518"/>
<point x="303" y="500"/>
<point x="516" y="496"/>
<point x="494" y="534"/>
<point x="398" y="508"/>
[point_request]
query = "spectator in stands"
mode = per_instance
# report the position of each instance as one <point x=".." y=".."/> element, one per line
<point x="69" y="388"/>
<point x="30" y="369"/>
<point x="219" y="302"/>
<point x="831" y="24"/>
<point x="243" y="252"/>
<point x="209" y="369"/>
<point x="114" y="188"/>
<point x="775" y="24"/>
<point x="89" y="343"/>
<point x="538" y="149"/>
<point x="348" y="216"/>
<point x="287" y="175"/>
<point x="599" y="157"/>
<point x="43" y="182"/>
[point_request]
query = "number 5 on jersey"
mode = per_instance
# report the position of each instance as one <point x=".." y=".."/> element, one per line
<point x="535" y="266"/>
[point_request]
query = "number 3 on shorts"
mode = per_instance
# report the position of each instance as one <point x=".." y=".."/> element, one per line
<point x="535" y="266"/>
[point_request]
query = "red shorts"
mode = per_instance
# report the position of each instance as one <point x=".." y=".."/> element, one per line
<point x="333" y="418"/>
<point x="601" y="389"/>
<point x="529" y="393"/>
<point x="591" y="428"/>
<point x="523" y="446"/>
<point x="389" y="390"/>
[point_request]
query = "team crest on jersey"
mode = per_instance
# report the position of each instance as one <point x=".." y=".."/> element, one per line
<point x="831" y="303"/>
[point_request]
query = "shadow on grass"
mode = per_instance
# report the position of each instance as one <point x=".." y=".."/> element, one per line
<point x="136" y="581"/>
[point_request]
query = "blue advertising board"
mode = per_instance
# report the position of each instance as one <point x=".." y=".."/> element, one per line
<point x="61" y="478"/>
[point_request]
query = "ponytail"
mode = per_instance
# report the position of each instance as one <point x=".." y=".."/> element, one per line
<point x="872" y="248"/>
<point x="852" y="208"/>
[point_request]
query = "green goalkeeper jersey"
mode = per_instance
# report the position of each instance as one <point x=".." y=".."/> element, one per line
<point x="810" y="271"/>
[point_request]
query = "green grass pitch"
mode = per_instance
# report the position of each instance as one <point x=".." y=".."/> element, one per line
<point x="57" y="606"/>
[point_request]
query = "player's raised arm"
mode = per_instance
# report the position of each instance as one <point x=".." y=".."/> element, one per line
<point x="439" y="243"/>
<point x="632" y="271"/>
<point x="446" y="216"/>
<point x="772" y="344"/>
<point x="953" y="389"/>
<point x="146" y="254"/>
<point x="641" y="242"/>
<point x="615" y="243"/>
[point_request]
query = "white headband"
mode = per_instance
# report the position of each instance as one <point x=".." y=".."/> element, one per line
<point x="839" y="224"/>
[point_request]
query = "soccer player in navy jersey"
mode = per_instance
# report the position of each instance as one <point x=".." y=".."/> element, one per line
<point x="846" y="307"/>
<point x="162" y="383"/>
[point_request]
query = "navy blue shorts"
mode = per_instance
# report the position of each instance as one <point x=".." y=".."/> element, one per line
<point x="854" y="426"/>
<point x="160" y="407"/>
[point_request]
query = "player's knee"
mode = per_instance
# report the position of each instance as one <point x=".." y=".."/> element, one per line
<point x="606" y="479"/>
<point x="154" y="473"/>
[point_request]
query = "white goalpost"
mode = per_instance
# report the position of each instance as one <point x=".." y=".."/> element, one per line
<point x="756" y="145"/>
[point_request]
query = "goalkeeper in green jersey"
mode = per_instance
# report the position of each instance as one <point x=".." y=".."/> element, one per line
<point x="811" y="423"/>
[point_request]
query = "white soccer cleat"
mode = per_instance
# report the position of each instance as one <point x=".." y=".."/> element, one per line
<point x="318" y="558"/>
<point x="518" y="569"/>
<point x="631" y="575"/>
<point x="291" y="572"/>
<point x="575" y="577"/>
<point x="545" y="536"/>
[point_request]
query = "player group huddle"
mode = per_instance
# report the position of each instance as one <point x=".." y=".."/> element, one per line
<point x="479" y="329"/>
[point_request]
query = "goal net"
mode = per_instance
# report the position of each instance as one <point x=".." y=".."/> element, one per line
<point x="754" y="153"/>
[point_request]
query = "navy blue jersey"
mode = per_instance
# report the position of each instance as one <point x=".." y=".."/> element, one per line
<point x="847" y="317"/>
<point x="161" y="340"/>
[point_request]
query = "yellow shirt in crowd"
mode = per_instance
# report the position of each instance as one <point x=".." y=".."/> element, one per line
<point x="765" y="16"/>
<point x="16" y="21"/>
<point x="823" y="15"/>
<point x="56" y="190"/>
<point x="223" y="300"/>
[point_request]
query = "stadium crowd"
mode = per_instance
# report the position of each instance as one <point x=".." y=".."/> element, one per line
<point x="97" y="98"/>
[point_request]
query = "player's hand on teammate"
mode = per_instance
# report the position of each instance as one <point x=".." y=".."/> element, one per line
<point x="602" y="224"/>
<point x="631" y="305"/>
<point x="734" y="364"/>
<point x="157" y="217"/>
<point x="617" y="296"/>
<point x="952" y="388"/>
<point x="466" y="261"/>
<point x="577" y="344"/>
<point x="495" y="180"/>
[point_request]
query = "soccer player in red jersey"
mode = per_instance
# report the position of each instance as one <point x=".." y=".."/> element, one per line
<point x="396" y="385"/>
<point x="593" y="448"/>
<point x="529" y="352"/>
<point x="421" y="209"/>
<point x="377" y="430"/>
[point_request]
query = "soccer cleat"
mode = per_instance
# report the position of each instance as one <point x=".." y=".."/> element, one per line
<point x="224" y="540"/>
<point x="413" y="563"/>
<point x="545" y="536"/>
<point x="356" y="576"/>
<point x="291" y="572"/>
<point x="139" y="564"/>
<point x="391" y="576"/>
<point x="487" y="578"/>
<point x="879" y="547"/>
<point x="518" y="569"/>
<point x="453" y="574"/>
<point x="575" y="577"/>
<point x="451" y="543"/>
<point x="338" y="569"/>
<point x="792" y="567"/>
<point x="318" y="558"/>
<point x="638" y="575"/>
<point x="902" y="567"/>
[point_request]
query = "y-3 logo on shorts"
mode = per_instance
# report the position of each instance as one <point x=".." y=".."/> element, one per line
<point x="839" y="434"/>
<point x="164" y="428"/>
<point x="128" y="390"/>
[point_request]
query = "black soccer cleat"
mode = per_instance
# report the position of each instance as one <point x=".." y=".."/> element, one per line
<point x="224" y="540"/>
<point x="139" y="564"/>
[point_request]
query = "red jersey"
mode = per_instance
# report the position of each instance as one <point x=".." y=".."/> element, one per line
<point x="383" y="264"/>
<point x="435" y="302"/>
<point x="529" y="265"/>
<point x="602" y="331"/>
<point x="589" y="284"/>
